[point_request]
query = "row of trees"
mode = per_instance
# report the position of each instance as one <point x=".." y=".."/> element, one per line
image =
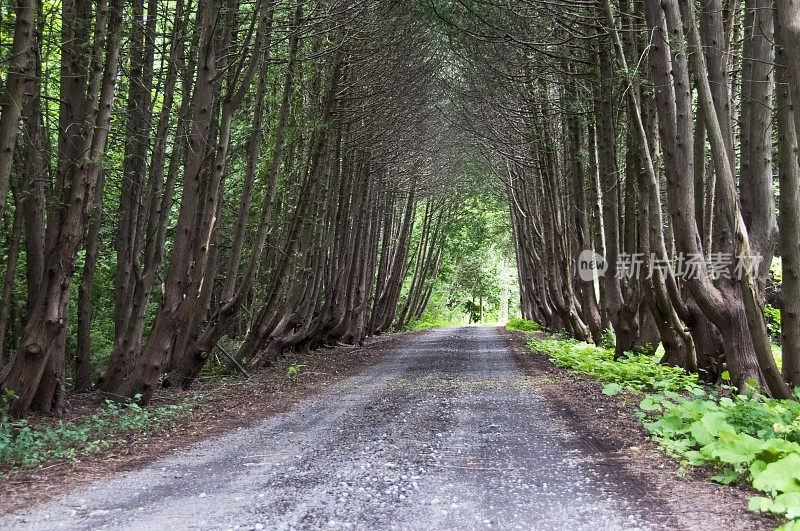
<point x="209" y="168"/>
<point x="659" y="130"/>
<point x="468" y="270"/>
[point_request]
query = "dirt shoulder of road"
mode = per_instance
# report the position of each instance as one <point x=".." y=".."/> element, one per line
<point x="226" y="405"/>
<point x="615" y="438"/>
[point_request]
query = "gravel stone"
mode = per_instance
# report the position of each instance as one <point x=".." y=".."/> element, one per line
<point x="443" y="433"/>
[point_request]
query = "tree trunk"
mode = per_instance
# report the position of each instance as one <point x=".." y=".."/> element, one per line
<point x="183" y="282"/>
<point x="83" y="355"/>
<point x="606" y="142"/>
<point x="127" y="342"/>
<point x="17" y="85"/>
<point x="757" y="191"/>
<point x="41" y="349"/>
<point x="9" y="282"/>
<point x="134" y="167"/>
<point x="789" y="220"/>
<point x="733" y="317"/>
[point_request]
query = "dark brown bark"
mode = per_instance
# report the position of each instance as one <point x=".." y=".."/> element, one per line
<point x="388" y="295"/>
<point x="17" y="84"/>
<point x="611" y="301"/>
<point x="789" y="220"/>
<point x="83" y="354"/>
<point x="134" y="167"/>
<point x="271" y="319"/>
<point x="666" y="297"/>
<point x="34" y="177"/>
<point x="8" y="299"/>
<point x="36" y="375"/>
<point x="127" y="342"/>
<point x="756" y="188"/>
<point x="732" y="317"/>
<point x="192" y="361"/>
<point x="183" y="281"/>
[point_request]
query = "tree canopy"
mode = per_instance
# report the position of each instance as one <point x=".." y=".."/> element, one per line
<point x="290" y="174"/>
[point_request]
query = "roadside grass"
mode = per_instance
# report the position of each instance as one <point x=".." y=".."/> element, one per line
<point x="426" y="322"/>
<point x="522" y="325"/>
<point x="635" y="372"/>
<point x="744" y="437"/>
<point x="23" y="445"/>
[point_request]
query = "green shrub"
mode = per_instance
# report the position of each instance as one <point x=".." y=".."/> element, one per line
<point x="776" y="269"/>
<point x="747" y="438"/>
<point x="608" y="340"/>
<point x="522" y="325"/>
<point x="294" y="370"/>
<point x="22" y="445"/>
<point x="635" y="372"/>
<point x="773" y="317"/>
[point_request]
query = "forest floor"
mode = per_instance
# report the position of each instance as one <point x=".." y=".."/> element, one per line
<point x="450" y="428"/>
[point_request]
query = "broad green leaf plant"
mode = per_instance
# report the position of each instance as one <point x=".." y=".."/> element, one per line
<point x="745" y="436"/>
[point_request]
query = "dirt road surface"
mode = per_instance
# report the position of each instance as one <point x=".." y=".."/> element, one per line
<point x="442" y="433"/>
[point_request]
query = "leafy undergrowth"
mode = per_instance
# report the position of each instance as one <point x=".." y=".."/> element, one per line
<point x="635" y="372"/>
<point x="745" y="437"/>
<point x="522" y="325"/>
<point x="23" y="445"/>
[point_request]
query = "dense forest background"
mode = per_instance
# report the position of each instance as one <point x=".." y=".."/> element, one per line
<point x="290" y="174"/>
<point x="268" y="175"/>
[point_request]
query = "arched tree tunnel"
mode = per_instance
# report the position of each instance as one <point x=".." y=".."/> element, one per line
<point x="288" y="174"/>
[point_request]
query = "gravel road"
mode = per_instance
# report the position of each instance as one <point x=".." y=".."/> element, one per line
<point x="443" y="433"/>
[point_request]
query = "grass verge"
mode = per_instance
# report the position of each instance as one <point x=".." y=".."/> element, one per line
<point x="23" y="445"/>
<point x="522" y="325"/>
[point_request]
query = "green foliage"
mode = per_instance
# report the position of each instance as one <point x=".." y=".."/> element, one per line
<point x="612" y="389"/>
<point x="23" y="445"/>
<point x="635" y="372"/>
<point x="473" y="310"/>
<point x="437" y="315"/>
<point x="429" y="321"/>
<point x="776" y="269"/>
<point x="746" y="437"/>
<point x="477" y="272"/>
<point x="607" y="339"/>
<point x="522" y="325"/>
<point x="217" y="370"/>
<point x="773" y="316"/>
<point x="294" y="370"/>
